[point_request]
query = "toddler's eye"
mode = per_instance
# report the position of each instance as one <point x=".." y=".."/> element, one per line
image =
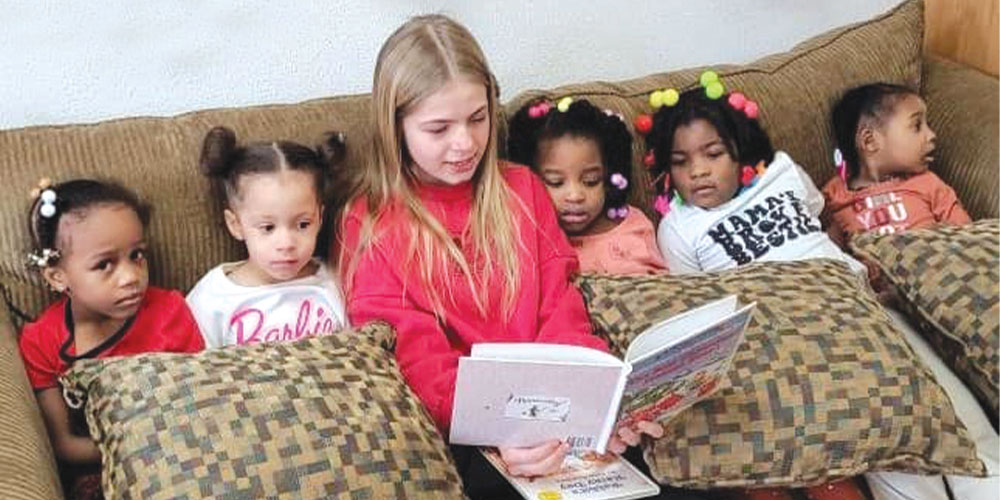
<point x="479" y="118"/>
<point x="267" y="228"/>
<point x="553" y="182"/>
<point x="592" y="181"/>
<point x="138" y="255"/>
<point x="103" y="265"/>
<point x="304" y="224"/>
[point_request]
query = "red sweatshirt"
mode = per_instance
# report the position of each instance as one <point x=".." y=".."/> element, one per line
<point x="547" y="308"/>
<point x="914" y="202"/>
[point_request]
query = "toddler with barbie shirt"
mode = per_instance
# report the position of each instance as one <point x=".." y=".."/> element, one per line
<point x="273" y="194"/>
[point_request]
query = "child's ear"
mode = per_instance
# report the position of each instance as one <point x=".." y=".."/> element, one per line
<point x="56" y="278"/>
<point x="233" y="224"/>
<point x="869" y="140"/>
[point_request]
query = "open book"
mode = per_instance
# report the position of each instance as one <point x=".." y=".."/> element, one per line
<point x="520" y="394"/>
<point x="583" y="476"/>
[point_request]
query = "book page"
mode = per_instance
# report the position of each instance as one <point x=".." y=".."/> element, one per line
<point x="666" y="382"/>
<point x="676" y="328"/>
<point x="583" y="476"/>
<point x="537" y="351"/>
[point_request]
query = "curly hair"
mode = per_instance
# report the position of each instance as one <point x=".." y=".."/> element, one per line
<point x="581" y="120"/>
<point x="744" y="139"/>
<point x="872" y="102"/>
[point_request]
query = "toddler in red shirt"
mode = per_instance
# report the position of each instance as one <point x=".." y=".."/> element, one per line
<point x="90" y="247"/>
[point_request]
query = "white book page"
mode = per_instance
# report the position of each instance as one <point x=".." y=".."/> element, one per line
<point x="534" y="351"/>
<point x="680" y="327"/>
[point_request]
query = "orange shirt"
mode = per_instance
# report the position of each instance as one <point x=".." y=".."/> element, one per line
<point x="914" y="202"/>
<point x="628" y="248"/>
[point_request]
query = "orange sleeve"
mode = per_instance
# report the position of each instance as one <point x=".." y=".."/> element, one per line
<point x="945" y="205"/>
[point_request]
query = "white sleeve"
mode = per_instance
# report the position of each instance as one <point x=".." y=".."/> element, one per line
<point x="812" y="197"/>
<point x="680" y="256"/>
<point x="200" y="301"/>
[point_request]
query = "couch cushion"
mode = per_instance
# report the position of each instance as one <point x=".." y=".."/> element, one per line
<point x="327" y="417"/>
<point x="823" y="387"/>
<point x="947" y="282"/>
<point x="795" y="89"/>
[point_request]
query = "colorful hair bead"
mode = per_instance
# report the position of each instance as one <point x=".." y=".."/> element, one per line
<point x="670" y="97"/>
<point x="750" y="109"/>
<point x="643" y="123"/>
<point x="708" y="77"/>
<point x="618" y="213"/>
<point x="539" y="109"/>
<point x="838" y="161"/>
<point x="650" y="159"/>
<point x="564" y="103"/>
<point x="747" y="175"/>
<point x="714" y="90"/>
<point x="619" y="181"/>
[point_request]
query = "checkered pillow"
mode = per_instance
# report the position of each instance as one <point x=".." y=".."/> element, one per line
<point x="327" y="417"/>
<point x="823" y="386"/>
<point x="947" y="279"/>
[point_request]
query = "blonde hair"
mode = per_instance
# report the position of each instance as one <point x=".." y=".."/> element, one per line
<point x="418" y="59"/>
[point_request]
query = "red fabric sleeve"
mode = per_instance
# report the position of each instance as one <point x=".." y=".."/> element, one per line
<point x="945" y="204"/>
<point x="182" y="327"/>
<point x="426" y="358"/>
<point x="562" y="315"/>
<point x="41" y="364"/>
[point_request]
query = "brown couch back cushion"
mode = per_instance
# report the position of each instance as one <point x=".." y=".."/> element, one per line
<point x="158" y="156"/>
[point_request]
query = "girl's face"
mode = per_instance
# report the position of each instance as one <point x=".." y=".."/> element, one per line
<point x="573" y="172"/>
<point x="700" y="166"/>
<point x="278" y="216"/>
<point x="447" y="132"/>
<point x="906" y="141"/>
<point x="103" y="267"/>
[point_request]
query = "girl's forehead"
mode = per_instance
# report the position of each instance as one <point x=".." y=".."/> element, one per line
<point x="458" y="97"/>
<point x="99" y="227"/>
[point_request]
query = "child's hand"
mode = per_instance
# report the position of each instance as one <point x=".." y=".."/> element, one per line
<point x="624" y="436"/>
<point x="531" y="461"/>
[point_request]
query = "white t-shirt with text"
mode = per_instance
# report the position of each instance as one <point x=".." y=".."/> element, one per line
<point x="776" y="219"/>
<point x="231" y="314"/>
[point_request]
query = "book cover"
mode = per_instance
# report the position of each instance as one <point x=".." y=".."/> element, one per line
<point x="584" y="476"/>
<point x="520" y="394"/>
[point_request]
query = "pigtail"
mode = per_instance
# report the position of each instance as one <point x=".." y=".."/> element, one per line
<point x="524" y="130"/>
<point x="217" y="152"/>
<point x="616" y="152"/>
<point x="332" y="149"/>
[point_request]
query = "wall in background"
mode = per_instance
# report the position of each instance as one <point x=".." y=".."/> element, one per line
<point x="69" y="62"/>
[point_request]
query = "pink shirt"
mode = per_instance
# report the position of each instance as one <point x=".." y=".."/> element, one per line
<point x="628" y="248"/>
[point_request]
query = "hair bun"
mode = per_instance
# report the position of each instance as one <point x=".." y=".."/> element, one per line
<point x="216" y="151"/>
<point x="332" y="149"/>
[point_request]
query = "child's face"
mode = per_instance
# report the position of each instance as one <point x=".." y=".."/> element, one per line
<point x="447" y="132"/>
<point x="103" y="266"/>
<point x="573" y="172"/>
<point x="700" y="166"/>
<point x="278" y="216"/>
<point x="906" y="140"/>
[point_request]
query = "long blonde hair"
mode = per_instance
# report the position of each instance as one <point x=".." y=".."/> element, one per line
<point x="418" y="59"/>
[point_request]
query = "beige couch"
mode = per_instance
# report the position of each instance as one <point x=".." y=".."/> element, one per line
<point x="157" y="157"/>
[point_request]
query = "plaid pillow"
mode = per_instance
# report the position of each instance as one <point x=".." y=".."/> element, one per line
<point x="947" y="280"/>
<point x="326" y="417"/>
<point x="823" y="386"/>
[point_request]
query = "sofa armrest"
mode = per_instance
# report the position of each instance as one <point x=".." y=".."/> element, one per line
<point x="962" y="109"/>
<point x="27" y="463"/>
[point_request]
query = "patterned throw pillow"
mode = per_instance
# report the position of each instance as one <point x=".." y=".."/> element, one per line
<point x="947" y="280"/>
<point x="823" y="386"/>
<point x="327" y="417"/>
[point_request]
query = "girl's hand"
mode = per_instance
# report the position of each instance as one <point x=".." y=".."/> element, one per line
<point x="624" y="436"/>
<point x="532" y="461"/>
